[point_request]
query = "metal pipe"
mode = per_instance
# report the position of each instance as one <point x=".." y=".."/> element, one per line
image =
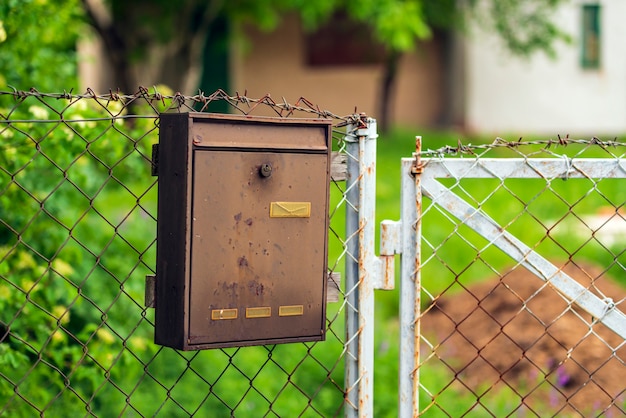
<point x="362" y="266"/>
<point x="408" y="392"/>
<point x="351" y="366"/>
<point x="368" y="262"/>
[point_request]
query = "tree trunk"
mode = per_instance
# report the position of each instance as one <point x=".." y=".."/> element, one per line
<point x="387" y="90"/>
<point x="146" y="44"/>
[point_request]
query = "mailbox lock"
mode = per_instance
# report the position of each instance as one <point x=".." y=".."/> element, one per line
<point x="266" y="170"/>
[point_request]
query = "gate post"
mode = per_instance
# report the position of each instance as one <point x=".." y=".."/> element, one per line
<point x="410" y="285"/>
<point x="361" y="265"/>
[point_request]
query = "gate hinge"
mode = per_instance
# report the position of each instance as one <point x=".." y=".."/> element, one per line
<point x="390" y="245"/>
<point x="418" y="166"/>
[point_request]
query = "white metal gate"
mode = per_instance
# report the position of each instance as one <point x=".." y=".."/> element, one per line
<point x="436" y="185"/>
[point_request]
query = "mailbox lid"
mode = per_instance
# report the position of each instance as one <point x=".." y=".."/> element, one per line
<point x="264" y="133"/>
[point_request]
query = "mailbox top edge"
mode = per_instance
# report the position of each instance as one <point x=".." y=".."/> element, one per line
<point x="209" y="130"/>
<point x="200" y="116"/>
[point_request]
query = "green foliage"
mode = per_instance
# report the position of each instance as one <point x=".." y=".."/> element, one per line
<point x="38" y="44"/>
<point x="527" y="26"/>
<point x="77" y="237"/>
<point x="524" y="27"/>
<point x="397" y="24"/>
<point x="68" y="229"/>
<point x="135" y="29"/>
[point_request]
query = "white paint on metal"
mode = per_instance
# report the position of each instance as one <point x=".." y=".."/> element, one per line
<point x="527" y="168"/>
<point x="390" y="245"/>
<point x="408" y="380"/>
<point x="390" y="237"/>
<point x="363" y="268"/>
<point x="352" y="377"/>
<point x="367" y="265"/>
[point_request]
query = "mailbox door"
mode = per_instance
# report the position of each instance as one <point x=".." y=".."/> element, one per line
<point x="258" y="247"/>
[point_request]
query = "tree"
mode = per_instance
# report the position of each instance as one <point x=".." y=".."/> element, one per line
<point x="37" y="47"/>
<point x="160" y="41"/>
<point x="150" y="42"/>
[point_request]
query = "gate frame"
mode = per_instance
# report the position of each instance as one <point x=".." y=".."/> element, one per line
<point x="419" y="178"/>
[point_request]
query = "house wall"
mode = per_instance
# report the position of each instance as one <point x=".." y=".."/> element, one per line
<point x="275" y="63"/>
<point x="506" y="94"/>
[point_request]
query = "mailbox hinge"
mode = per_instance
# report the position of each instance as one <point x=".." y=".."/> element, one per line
<point x="150" y="295"/>
<point x="155" y="160"/>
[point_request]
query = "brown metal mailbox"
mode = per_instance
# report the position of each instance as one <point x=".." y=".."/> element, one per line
<point x="242" y="230"/>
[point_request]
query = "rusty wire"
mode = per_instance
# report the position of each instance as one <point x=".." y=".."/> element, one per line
<point x="179" y="102"/>
<point x="521" y="147"/>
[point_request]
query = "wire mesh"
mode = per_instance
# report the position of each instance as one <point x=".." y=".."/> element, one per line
<point x="496" y="340"/>
<point x="77" y="238"/>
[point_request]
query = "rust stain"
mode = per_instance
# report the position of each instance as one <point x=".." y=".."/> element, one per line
<point x="256" y="288"/>
<point x="228" y="289"/>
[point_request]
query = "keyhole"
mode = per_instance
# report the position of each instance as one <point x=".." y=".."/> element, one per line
<point x="266" y="170"/>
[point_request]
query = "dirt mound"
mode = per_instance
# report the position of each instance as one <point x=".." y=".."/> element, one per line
<point x="518" y="331"/>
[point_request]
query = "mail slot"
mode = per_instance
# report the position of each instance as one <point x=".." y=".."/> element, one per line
<point x="242" y="230"/>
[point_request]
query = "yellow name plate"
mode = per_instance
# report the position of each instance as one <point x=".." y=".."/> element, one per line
<point x="290" y="210"/>
<point x="219" y="314"/>
<point x="260" y="312"/>
<point x="291" y="310"/>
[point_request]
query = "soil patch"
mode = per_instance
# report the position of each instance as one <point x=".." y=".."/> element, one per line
<point x="519" y="331"/>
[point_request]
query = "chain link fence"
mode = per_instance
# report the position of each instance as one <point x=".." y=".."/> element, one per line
<point x="496" y="333"/>
<point x="78" y="237"/>
<point x="522" y="281"/>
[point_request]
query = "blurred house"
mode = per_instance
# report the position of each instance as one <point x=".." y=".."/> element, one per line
<point x="582" y="91"/>
<point x="470" y="83"/>
<point x="340" y="68"/>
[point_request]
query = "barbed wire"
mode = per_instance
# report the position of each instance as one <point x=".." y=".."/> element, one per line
<point x="284" y="109"/>
<point x="242" y="103"/>
<point x="472" y="149"/>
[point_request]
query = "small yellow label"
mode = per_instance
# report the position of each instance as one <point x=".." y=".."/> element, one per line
<point x="219" y="314"/>
<point x="260" y="312"/>
<point x="291" y="310"/>
<point x="290" y="210"/>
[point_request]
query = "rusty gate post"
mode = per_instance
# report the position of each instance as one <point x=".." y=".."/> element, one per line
<point x="352" y="272"/>
<point x="362" y="268"/>
<point x="411" y="198"/>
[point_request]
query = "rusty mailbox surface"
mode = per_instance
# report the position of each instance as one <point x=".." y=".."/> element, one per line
<point x="242" y="230"/>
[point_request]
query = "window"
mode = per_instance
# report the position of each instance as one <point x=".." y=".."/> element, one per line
<point x="591" y="36"/>
<point x="343" y="42"/>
